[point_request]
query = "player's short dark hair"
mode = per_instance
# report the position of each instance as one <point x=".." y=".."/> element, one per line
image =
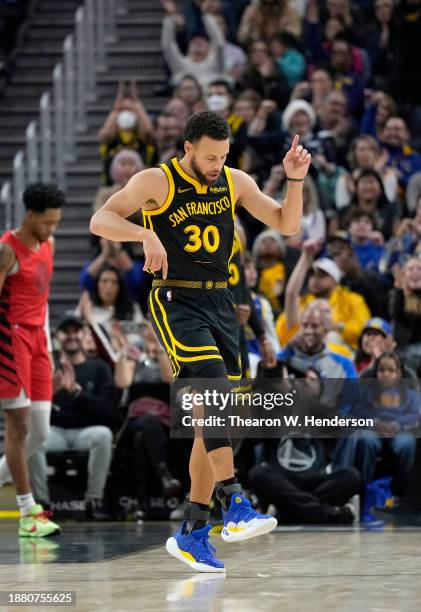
<point x="40" y="196"/>
<point x="206" y="123"/>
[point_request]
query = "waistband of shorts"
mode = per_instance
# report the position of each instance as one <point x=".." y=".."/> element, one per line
<point x="189" y="284"/>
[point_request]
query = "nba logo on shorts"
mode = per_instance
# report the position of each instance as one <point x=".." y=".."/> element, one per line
<point x="169" y="296"/>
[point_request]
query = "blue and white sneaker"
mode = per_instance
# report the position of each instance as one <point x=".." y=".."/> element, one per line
<point x="194" y="549"/>
<point x="242" y="522"/>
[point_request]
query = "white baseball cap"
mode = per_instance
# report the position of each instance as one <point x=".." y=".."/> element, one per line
<point x="329" y="267"/>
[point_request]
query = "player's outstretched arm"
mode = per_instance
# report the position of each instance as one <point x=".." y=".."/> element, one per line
<point x="146" y="189"/>
<point x="286" y="219"/>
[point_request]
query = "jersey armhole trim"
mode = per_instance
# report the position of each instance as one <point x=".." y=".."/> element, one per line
<point x="231" y="189"/>
<point x="170" y="196"/>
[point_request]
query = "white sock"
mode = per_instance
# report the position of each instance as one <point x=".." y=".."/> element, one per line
<point x="25" y="502"/>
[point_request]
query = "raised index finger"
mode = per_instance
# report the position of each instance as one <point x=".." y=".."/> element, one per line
<point x="294" y="144"/>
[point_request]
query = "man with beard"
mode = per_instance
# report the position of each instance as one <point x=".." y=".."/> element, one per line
<point x="26" y="267"/>
<point x="188" y="209"/>
<point x="401" y="155"/>
<point x="84" y="411"/>
<point x="294" y="478"/>
<point x="349" y="309"/>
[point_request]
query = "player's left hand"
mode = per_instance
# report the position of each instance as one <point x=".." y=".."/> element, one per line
<point x="297" y="161"/>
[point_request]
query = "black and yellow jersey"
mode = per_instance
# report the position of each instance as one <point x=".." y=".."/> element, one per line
<point x="195" y="225"/>
<point x="237" y="281"/>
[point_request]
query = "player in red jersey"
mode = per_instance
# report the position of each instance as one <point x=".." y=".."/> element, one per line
<point x="26" y="267"/>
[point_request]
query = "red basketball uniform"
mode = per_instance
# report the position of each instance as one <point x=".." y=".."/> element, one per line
<point x="24" y="361"/>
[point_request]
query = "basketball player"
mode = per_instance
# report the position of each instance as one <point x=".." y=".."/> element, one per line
<point x="188" y="208"/>
<point x="26" y="266"/>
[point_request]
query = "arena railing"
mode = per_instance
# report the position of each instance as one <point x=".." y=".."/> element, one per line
<point x="51" y="139"/>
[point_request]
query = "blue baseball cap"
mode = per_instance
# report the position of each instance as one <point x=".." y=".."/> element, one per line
<point x="379" y="324"/>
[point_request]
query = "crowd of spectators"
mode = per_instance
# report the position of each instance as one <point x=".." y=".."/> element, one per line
<point x="342" y="298"/>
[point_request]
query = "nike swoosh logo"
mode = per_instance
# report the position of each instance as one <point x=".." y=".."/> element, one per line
<point x="183" y="190"/>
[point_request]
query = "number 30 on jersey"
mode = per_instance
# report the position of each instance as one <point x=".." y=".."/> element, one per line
<point x="209" y="238"/>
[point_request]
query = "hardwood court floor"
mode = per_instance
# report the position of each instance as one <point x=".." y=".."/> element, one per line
<point x="124" y="567"/>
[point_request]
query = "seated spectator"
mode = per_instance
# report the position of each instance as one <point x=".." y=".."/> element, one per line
<point x="379" y="43"/>
<point x="268" y="253"/>
<point x="309" y="495"/>
<point x="220" y="98"/>
<point x="378" y="111"/>
<point x="112" y="254"/>
<point x="145" y="431"/>
<point x="312" y="496"/>
<point x="271" y="143"/>
<point x="349" y="309"/>
<point x="245" y="108"/>
<point x="265" y="138"/>
<point x="370" y="198"/>
<point x="287" y="52"/>
<point x="299" y="118"/>
<point x="365" y="154"/>
<point x="265" y="18"/>
<point x="316" y="90"/>
<point x="263" y="75"/>
<point x="190" y="92"/>
<point x="335" y="119"/>
<point x="313" y="223"/>
<point x="349" y="14"/>
<point x="123" y="166"/>
<point x="263" y="308"/>
<point x="376" y="339"/>
<point x="366" y="242"/>
<point x="402" y="157"/>
<point x="413" y="193"/>
<point x="367" y="283"/>
<point x="109" y="301"/>
<point x="309" y="350"/>
<point x="83" y="416"/>
<point x="176" y="107"/>
<point x="127" y="126"/>
<point x="167" y="140"/>
<point x="319" y="36"/>
<point x="395" y="408"/>
<point x="205" y="53"/>
<point x="405" y="312"/>
<point x="345" y="79"/>
<point x="406" y="242"/>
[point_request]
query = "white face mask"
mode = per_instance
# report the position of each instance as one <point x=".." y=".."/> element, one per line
<point x="126" y="120"/>
<point x="216" y="102"/>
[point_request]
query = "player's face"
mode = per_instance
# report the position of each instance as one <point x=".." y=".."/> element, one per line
<point x="207" y="158"/>
<point x="43" y="225"/>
